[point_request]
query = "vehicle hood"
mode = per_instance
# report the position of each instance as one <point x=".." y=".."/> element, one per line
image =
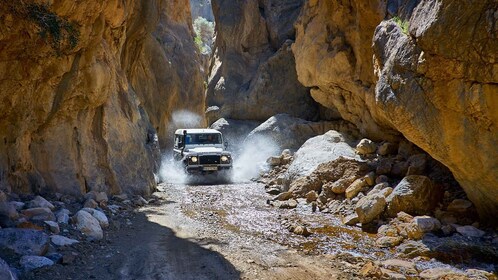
<point x="206" y="150"/>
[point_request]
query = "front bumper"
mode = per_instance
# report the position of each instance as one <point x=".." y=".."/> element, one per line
<point x="204" y="169"/>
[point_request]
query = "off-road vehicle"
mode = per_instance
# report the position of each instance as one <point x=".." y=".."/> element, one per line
<point x="202" y="151"/>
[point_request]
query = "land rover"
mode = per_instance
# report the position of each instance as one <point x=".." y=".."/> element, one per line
<point x="202" y="151"/>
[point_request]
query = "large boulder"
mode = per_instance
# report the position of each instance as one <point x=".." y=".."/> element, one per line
<point x="320" y="149"/>
<point x="415" y="194"/>
<point x="6" y="272"/>
<point x="24" y="241"/>
<point x="291" y="133"/>
<point x="88" y="225"/>
<point x="370" y="207"/>
<point x="41" y="202"/>
<point x="33" y="262"/>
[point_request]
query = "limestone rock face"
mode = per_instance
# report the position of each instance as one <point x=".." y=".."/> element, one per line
<point x="438" y="86"/>
<point x="253" y="74"/>
<point x="433" y="78"/>
<point x="81" y="111"/>
<point x="334" y="56"/>
<point x="202" y="8"/>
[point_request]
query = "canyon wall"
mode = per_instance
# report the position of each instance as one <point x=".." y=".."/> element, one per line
<point x="86" y="86"/>
<point x="430" y="75"/>
<point x="253" y="74"/>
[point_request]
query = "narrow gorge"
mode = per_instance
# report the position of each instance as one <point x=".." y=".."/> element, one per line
<point x="380" y="113"/>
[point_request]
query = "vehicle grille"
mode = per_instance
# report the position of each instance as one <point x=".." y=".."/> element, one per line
<point x="209" y="160"/>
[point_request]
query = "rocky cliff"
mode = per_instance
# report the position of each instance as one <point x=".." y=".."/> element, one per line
<point x="253" y="75"/>
<point x="85" y="87"/>
<point x="433" y="78"/>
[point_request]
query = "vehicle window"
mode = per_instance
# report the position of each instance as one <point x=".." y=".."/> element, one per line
<point x="203" y="139"/>
<point x="178" y="141"/>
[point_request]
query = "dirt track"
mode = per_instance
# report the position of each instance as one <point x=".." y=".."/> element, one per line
<point x="204" y="232"/>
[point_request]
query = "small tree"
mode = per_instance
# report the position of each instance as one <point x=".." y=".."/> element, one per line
<point x="204" y="34"/>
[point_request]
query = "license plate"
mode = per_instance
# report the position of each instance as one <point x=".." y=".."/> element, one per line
<point x="210" y="168"/>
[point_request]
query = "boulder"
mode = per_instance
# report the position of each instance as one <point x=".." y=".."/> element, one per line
<point x="317" y="150"/>
<point x="388" y="241"/>
<point x="366" y="146"/>
<point x="101" y="217"/>
<point x="88" y="225"/>
<point x="6" y="273"/>
<point x="340" y="186"/>
<point x="274" y="161"/>
<point x="415" y="194"/>
<point x="427" y="223"/>
<point x="62" y="218"/>
<point x="351" y="219"/>
<point x="53" y="226"/>
<point x="39" y="214"/>
<point x="441" y="273"/>
<point x="311" y="196"/>
<point x="288" y="132"/>
<point x="60" y="240"/>
<point x="355" y="187"/>
<point x="387" y="148"/>
<point x="33" y="262"/>
<point x="370" y="207"/>
<point x="90" y="203"/>
<point x="305" y="184"/>
<point x="459" y="206"/>
<point x="401" y="266"/>
<point x="470" y="231"/>
<point x="40" y="202"/>
<point x="101" y="197"/>
<point x="8" y="210"/>
<point x="24" y="241"/>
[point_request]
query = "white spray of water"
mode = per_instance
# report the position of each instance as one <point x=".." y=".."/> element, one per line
<point x="250" y="161"/>
<point x="170" y="170"/>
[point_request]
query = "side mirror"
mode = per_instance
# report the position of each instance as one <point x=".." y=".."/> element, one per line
<point x="226" y="144"/>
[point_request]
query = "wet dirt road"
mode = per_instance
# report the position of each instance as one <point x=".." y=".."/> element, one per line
<point x="221" y="232"/>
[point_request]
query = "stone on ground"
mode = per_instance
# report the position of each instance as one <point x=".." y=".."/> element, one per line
<point x="53" y="226"/>
<point x="6" y="273"/>
<point x="366" y="146"/>
<point x="40" y="202"/>
<point x="33" y="262"/>
<point x="440" y="273"/>
<point x="60" y="240"/>
<point x="39" y="214"/>
<point x="427" y="223"/>
<point x="470" y="231"/>
<point x="415" y="195"/>
<point x="24" y="241"/>
<point x="370" y="207"/>
<point x="88" y="225"/>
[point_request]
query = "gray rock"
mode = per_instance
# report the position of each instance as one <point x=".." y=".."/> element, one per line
<point x="39" y="214"/>
<point x="120" y="197"/>
<point x="24" y="241"/>
<point x="317" y="150"/>
<point x="88" y="225"/>
<point x="366" y="146"/>
<point x="62" y="218"/>
<point x="60" y="240"/>
<point x="351" y="219"/>
<point x="53" y="226"/>
<point x="370" y="207"/>
<point x="90" y="203"/>
<point x="289" y="132"/>
<point x="415" y="195"/>
<point x="40" y="202"/>
<point x="101" y="217"/>
<point x="33" y="262"/>
<point x="387" y="149"/>
<point x="470" y="231"/>
<point x="101" y="197"/>
<point x="18" y="205"/>
<point x="8" y="210"/>
<point x="440" y="272"/>
<point x="427" y="223"/>
<point x="459" y="205"/>
<point x="6" y="273"/>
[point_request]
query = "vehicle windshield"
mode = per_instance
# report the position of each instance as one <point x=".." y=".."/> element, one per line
<point x="203" y="139"/>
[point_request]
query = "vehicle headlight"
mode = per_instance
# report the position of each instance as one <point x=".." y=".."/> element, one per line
<point x="224" y="158"/>
<point x="193" y="159"/>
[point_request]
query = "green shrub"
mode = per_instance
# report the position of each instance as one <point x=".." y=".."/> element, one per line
<point x="204" y="34"/>
<point x="403" y="24"/>
<point x="55" y="30"/>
